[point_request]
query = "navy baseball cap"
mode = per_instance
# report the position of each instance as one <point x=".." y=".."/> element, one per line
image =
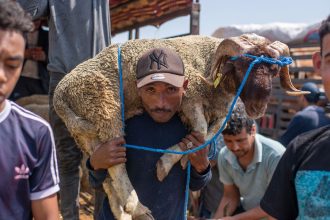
<point x="314" y="94"/>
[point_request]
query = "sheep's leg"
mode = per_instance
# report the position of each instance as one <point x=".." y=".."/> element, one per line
<point x="126" y="194"/>
<point x="198" y="122"/>
<point x="114" y="201"/>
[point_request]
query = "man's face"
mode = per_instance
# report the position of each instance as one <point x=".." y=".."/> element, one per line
<point x="322" y="64"/>
<point x="241" y="144"/>
<point x="11" y="59"/>
<point x="161" y="100"/>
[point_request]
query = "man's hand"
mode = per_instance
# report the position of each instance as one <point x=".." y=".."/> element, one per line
<point x="199" y="160"/>
<point x="36" y="53"/>
<point x="109" y="154"/>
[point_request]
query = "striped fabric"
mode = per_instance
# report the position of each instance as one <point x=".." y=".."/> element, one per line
<point x="130" y="14"/>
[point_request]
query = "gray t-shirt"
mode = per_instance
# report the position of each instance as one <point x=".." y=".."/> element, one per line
<point x="78" y="29"/>
<point x="253" y="182"/>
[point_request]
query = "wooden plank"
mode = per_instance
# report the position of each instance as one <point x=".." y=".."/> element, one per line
<point x="302" y="57"/>
<point x="302" y="69"/>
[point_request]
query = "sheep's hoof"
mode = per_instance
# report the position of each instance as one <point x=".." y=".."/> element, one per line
<point x="129" y="207"/>
<point x="161" y="170"/>
<point x="142" y="213"/>
<point x="146" y="216"/>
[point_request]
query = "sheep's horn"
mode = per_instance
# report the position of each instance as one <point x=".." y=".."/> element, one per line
<point x="234" y="46"/>
<point x="287" y="84"/>
<point x="277" y="49"/>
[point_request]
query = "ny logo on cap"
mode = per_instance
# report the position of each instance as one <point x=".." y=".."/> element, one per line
<point x="160" y="60"/>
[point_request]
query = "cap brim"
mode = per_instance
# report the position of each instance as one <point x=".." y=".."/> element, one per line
<point x="170" y="78"/>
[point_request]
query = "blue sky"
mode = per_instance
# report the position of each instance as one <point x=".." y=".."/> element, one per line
<point x="219" y="13"/>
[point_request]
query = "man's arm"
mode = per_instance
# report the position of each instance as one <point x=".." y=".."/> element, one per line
<point x="253" y="214"/>
<point x="46" y="208"/>
<point x="229" y="201"/>
<point x="106" y="155"/>
<point x="201" y="169"/>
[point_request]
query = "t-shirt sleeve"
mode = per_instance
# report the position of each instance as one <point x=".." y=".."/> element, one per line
<point x="44" y="177"/>
<point x="198" y="181"/>
<point x="223" y="172"/>
<point x="280" y="200"/>
<point x="272" y="163"/>
<point x="95" y="177"/>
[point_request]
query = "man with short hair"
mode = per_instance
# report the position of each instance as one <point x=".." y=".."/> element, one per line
<point x="300" y="185"/>
<point x="161" y="85"/>
<point x="246" y="164"/>
<point x="29" y="177"/>
<point x="311" y="117"/>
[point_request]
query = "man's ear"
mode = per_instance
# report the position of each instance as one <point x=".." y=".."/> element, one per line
<point x="185" y="84"/>
<point x="254" y="130"/>
<point x="138" y="89"/>
<point x="317" y="62"/>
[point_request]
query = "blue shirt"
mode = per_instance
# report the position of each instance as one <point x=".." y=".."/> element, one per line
<point x="164" y="199"/>
<point x="309" y="118"/>
<point x="28" y="164"/>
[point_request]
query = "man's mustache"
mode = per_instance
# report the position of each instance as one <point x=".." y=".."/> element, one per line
<point x="160" y="110"/>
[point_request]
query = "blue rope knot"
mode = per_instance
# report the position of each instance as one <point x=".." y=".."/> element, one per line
<point x="281" y="61"/>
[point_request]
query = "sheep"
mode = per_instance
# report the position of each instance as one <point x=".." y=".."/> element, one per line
<point x="87" y="99"/>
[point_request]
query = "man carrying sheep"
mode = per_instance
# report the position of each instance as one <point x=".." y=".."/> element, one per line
<point x="161" y="85"/>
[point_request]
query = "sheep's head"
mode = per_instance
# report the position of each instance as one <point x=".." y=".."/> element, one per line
<point x="256" y="92"/>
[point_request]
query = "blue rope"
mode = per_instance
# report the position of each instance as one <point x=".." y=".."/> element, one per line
<point x="121" y="89"/>
<point x="282" y="61"/>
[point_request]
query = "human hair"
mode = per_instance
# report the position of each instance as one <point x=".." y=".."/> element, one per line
<point x="14" y="18"/>
<point x="324" y="30"/>
<point x="238" y="121"/>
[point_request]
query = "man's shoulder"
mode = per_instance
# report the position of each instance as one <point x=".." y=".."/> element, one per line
<point x="224" y="151"/>
<point x="226" y="156"/>
<point x="270" y="146"/>
<point x="26" y="120"/>
<point x="316" y="137"/>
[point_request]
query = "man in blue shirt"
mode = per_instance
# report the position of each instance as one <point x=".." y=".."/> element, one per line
<point x="311" y="117"/>
<point x="161" y="86"/>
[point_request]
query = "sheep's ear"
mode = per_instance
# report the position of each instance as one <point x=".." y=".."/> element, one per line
<point x="217" y="70"/>
<point x="287" y="84"/>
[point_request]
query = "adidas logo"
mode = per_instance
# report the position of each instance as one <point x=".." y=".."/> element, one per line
<point x="22" y="172"/>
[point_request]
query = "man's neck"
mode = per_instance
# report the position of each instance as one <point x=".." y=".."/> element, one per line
<point x="2" y="106"/>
